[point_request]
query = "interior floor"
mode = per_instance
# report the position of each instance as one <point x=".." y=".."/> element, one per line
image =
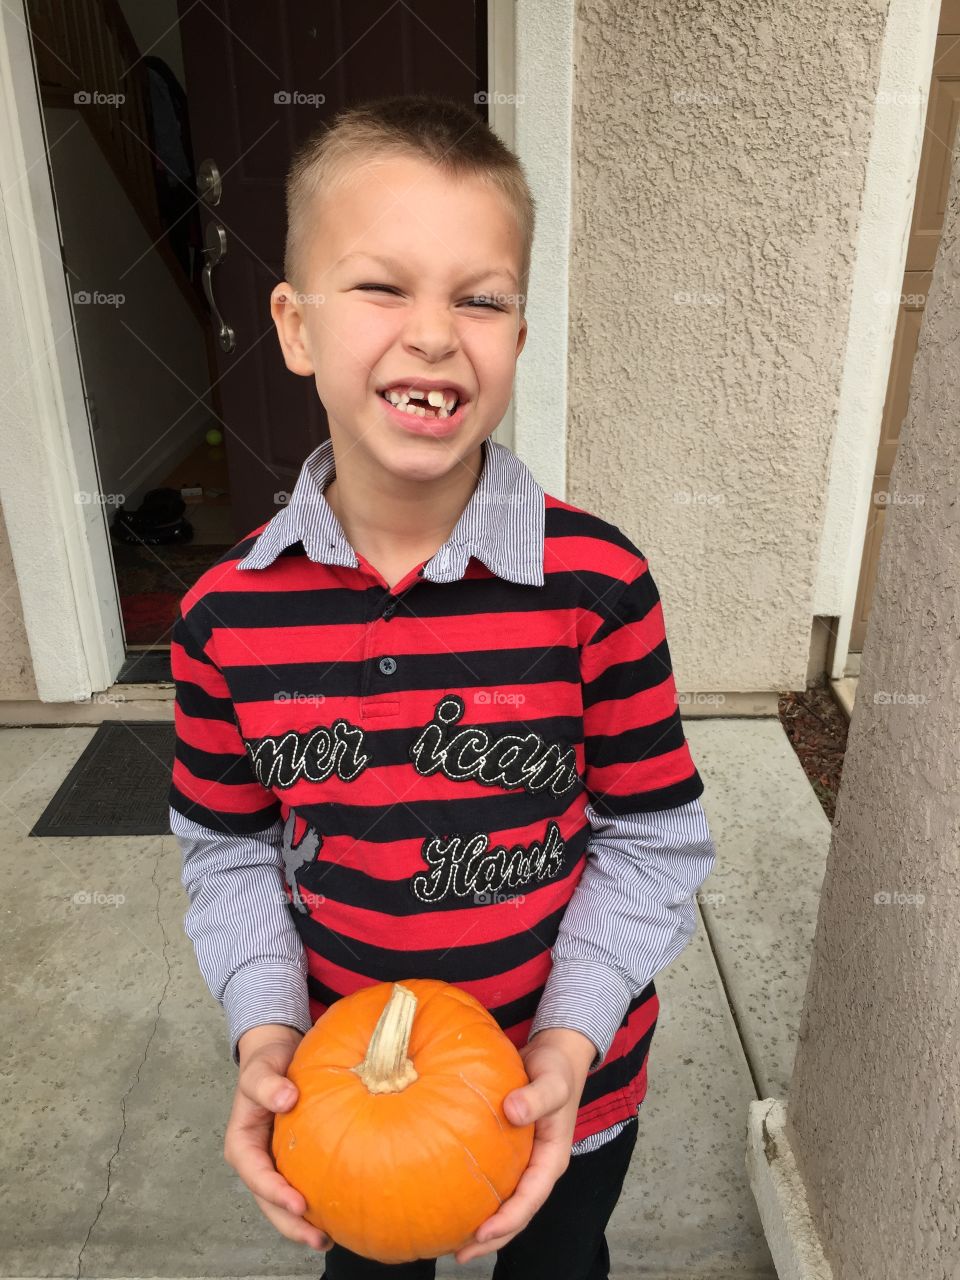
<point x="153" y="579"/>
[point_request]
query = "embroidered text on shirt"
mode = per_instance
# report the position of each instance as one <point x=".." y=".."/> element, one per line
<point x="313" y="755"/>
<point x="510" y="761"/>
<point x="464" y="865"/>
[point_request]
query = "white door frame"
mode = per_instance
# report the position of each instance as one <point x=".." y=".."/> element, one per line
<point x="49" y="486"/>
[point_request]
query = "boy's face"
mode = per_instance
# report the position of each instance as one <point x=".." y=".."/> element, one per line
<point x="444" y="308"/>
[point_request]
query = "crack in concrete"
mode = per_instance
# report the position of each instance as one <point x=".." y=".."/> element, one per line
<point x="136" y="1080"/>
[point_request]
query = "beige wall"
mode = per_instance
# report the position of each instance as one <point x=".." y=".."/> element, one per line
<point x="720" y="153"/>
<point x="873" y="1113"/>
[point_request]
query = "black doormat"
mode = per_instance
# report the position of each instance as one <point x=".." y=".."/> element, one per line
<point x="118" y="787"/>
<point x="146" y="666"/>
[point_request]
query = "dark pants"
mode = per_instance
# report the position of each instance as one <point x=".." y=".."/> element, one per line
<point x="564" y="1240"/>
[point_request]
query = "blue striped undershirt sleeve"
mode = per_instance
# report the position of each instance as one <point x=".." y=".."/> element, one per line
<point x="632" y="912"/>
<point x="247" y="945"/>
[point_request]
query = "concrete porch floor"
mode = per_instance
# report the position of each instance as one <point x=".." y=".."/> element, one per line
<point x="119" y="1083"/>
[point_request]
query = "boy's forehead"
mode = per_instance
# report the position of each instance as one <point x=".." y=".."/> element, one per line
<point x="386" y="213"/>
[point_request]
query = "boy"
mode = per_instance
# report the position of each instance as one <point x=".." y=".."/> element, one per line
<point x="426" y="718"/>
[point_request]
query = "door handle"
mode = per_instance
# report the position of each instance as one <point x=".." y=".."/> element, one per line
<point x="214" y="252"/>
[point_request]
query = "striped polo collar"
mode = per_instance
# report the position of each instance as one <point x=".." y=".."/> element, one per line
<point x="502" y="523"/>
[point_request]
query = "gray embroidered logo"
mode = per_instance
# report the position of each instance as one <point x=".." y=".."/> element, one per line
<point x="512" y="760"/>
<point x="465" y="865"/>
<point x="314" y="755"/>
<point x="298" y="856"/>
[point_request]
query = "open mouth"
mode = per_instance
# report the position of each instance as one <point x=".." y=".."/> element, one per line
<point x="423" y="404"/>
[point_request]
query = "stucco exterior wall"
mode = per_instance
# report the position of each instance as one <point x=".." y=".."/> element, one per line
<point x="719" y="160"/>
<point x="873" y="1112"/>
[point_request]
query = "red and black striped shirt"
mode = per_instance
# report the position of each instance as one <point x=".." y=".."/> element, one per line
<point x="431" y="747"/>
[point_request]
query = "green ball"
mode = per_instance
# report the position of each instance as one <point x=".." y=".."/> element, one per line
<point x="214" y="436"/>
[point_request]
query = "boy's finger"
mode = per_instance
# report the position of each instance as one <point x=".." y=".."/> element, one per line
<point x="535" y="1185"/>
<point x="547" y="1093"/>
<point x="293" y="1226"/>
<point x="259" y="1173"/>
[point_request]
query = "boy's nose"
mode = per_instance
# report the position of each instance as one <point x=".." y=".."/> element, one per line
<point x="430" y="332"/>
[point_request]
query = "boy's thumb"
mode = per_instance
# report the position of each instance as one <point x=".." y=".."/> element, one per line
<point x="267" y="1086"/>
<point x="521" y="1105"/>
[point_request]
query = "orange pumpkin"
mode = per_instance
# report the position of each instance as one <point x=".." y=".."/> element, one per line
<point x="398" y="1140"/>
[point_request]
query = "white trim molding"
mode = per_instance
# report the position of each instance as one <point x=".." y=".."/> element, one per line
<point x="781" y="1197"/>
<point x="59" y="543"/>
<point x="893" y="161"/>
<point x="541" y="133"/>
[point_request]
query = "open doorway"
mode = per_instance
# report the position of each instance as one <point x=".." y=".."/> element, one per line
<point x="168" y="128"/>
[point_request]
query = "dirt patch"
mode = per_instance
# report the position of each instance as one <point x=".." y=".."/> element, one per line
<point x="817" y="730"/>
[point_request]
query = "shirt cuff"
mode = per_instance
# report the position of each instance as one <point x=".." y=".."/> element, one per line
<point x="267" y="992"/>
<point x="589" y="997"/>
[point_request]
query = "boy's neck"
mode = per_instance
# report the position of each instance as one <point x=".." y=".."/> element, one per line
<point x="391" y="525"/>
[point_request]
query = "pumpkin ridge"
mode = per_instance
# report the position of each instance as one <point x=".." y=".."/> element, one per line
<point x="487" y="1023"/>
<point x="493" y="1109"/>
<point x="477" y="1171"/>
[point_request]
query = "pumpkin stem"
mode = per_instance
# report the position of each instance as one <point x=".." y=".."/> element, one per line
<point x="386" y="1068"/>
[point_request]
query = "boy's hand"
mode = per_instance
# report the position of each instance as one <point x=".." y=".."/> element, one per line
<point x="262" y="1090"/>
<point x="557" y="1061"/>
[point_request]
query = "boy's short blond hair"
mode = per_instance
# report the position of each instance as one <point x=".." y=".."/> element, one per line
<point x="439" y="130"/>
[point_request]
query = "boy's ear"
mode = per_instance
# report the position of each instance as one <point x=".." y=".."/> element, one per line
<point x="521" y="335"/>
<point x="290" y="329"/>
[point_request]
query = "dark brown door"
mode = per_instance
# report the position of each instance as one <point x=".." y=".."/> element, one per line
<point x="251" y="69"/>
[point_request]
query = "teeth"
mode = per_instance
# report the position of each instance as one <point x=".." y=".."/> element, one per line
<point x="443" y="404"/>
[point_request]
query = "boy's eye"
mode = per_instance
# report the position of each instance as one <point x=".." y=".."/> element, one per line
<point x="485" y="303"/>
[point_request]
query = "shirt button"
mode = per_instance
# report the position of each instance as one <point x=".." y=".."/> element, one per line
<point x="389" y="609"/>
<point x="388" y="666"/>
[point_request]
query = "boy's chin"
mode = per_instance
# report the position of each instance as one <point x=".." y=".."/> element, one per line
<point x="419" y="459"/>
